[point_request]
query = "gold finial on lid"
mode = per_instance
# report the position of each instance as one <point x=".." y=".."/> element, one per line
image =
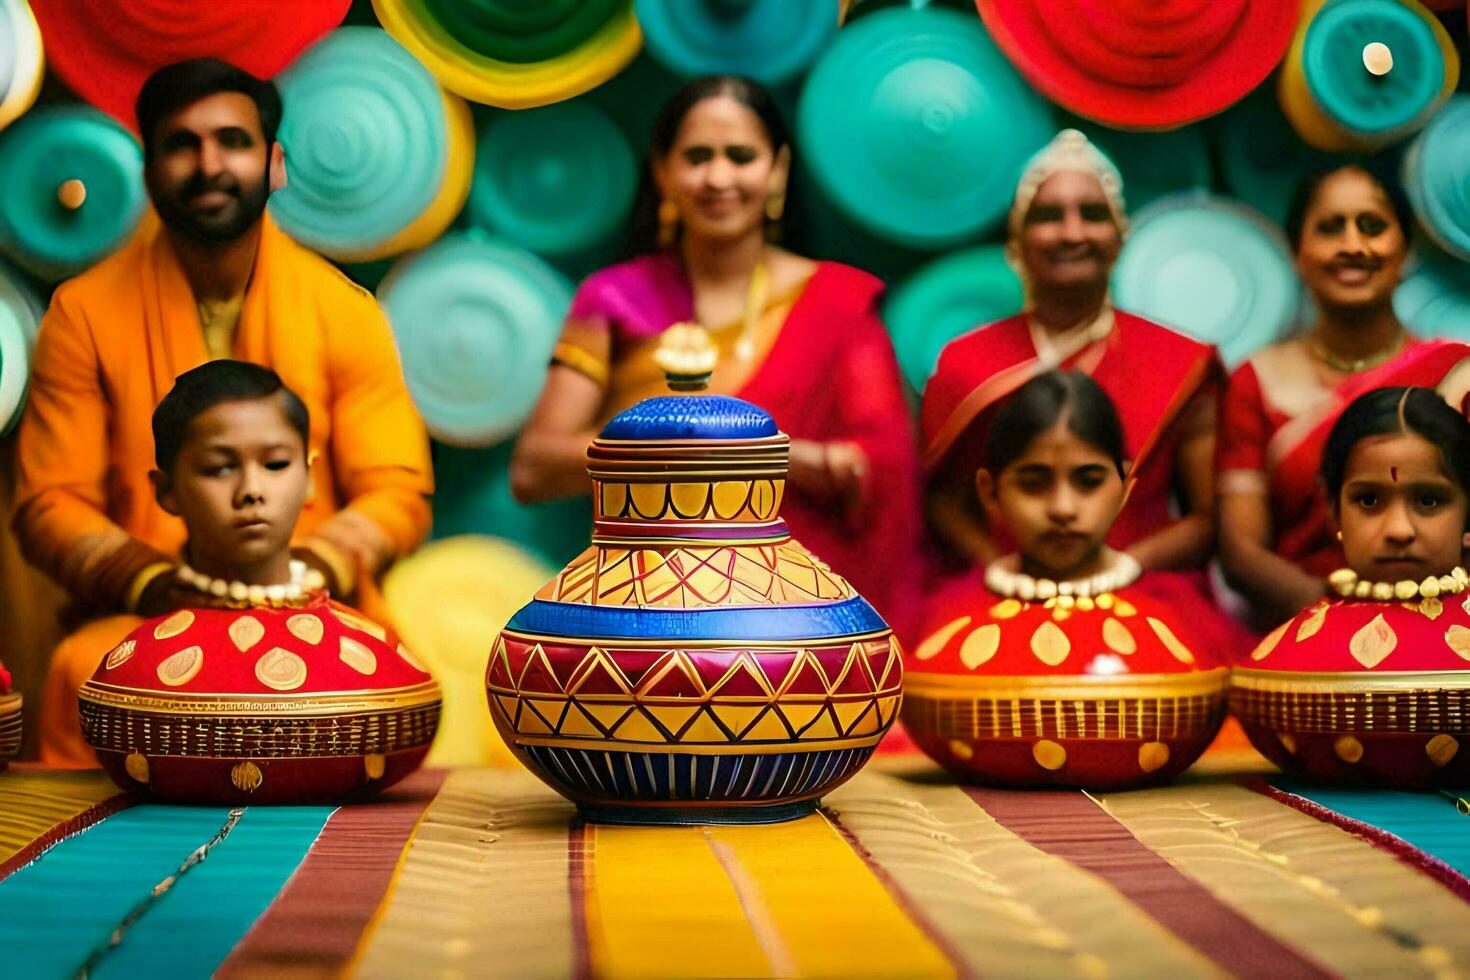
<point x="687" y="355"/>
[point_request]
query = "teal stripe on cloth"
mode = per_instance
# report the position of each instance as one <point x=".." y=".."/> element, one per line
<point x="1429" y="820"/>
<point x="55" y="911"/>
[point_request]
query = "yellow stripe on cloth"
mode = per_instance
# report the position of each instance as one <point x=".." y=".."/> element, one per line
<point x="1334" y="897"/>
<point x="1008" y="908"/>
<point x="33" y="802"/>
<point x="482" y="888"/>
<point x="789" y="899"/>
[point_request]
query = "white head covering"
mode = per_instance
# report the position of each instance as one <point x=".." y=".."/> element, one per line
<point x="1070" y="151"/>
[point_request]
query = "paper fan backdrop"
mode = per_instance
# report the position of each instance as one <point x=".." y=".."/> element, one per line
<point x="73" y="189"/>
<point x="20" y="318"/>
<point x="557" y="180"/>
<point x="1211" y="268"/>
<point x="475" y="322"/>
<point x="21" y="61"/>
<point x="106" y="49"/>
<point x="949" y="297"/>
<point x="1437" y="178"/>
<point x="771" y="41"/>
<point x="512" y="53"/>
<point x="1362" y="74"/>
<point x="1143" y="64"/>
<point x="378" y="156"/>
<point x="915" y="126"/>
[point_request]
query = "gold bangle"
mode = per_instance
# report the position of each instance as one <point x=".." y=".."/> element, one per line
<point x="141" y="581"/>
<point x="338" y="562"/>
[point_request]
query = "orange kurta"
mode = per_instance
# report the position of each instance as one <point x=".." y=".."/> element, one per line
<point x="109" y="349"/>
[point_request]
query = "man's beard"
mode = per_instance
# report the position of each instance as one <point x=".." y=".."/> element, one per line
<point x="249" y="205"/>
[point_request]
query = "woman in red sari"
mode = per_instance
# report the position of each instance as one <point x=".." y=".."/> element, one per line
<point x="799" y="338"/>
<point x="1277" y="539"/>
<point x="1066" y="228"/>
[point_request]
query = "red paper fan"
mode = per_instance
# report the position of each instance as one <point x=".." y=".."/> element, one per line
<point x="1143" y="64"/>
<point x="105" y="49"/>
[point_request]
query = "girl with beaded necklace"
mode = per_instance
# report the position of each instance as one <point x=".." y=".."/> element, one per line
<point x="1127" y="656"/>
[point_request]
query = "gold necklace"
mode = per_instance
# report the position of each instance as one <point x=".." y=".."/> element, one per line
<point x="1321" y="353"/>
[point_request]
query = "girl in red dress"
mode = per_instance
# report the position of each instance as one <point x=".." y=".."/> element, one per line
<point x="1065" y="662"/>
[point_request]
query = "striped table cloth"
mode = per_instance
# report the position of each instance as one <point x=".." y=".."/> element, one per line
<point x="486" y="872"/>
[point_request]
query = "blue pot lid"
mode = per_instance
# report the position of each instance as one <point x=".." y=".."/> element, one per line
<point x="20" y="317"/>
<point x="40" y="153"/>
<point x="691" y="417"/>
<point x="948" y="297"/>
<point x="556" y="180"/>
<point x="916" y="126"/>
<point x="1262" y="159"/>
<point x="1362" y="103"/>
<point x="1434" y="299"/>
<point x="1437" y="177"/>
<point x="770" y="41"/>
<point x="475" y="322"/>
<point x="366" y="141"/>
<point x="1211" y="268"/>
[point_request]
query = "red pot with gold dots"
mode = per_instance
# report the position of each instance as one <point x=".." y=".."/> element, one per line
<point x="1364" y="689"/>
<point x="1103" y="690"/>
<point x="260" y="705"/>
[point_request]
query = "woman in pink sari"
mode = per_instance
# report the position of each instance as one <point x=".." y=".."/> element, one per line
<point x="799" y="338"/>
<point x="1277" y="540"/>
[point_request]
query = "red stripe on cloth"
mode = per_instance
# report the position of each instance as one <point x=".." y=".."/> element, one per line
<point x="1071" y="826"/>
<point x="1421" y="861"/>
<point x="904" y="900"/>
<point x="579" y="866"/>
<point x="316" y="922"/>
<point x="69" y="827"/>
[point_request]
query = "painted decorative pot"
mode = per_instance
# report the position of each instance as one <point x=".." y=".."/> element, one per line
<point x="10" y="718"/>
<point x="1106" y="691"/>
<point x="696" y="664"/>
<point x="260" y="705"/>
<point x="1363" y="690"/>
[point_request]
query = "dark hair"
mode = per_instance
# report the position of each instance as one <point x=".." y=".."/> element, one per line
<point x="643" y="227"/>
<point x="1306" y="194"/>
<point x="175" y="86"/>
<point x="1390" y="411"/>
<point x="214" y="383"/>
<point x="1037" y="405"/>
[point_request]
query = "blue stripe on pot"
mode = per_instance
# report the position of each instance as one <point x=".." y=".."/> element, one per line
<point x="756" y="624"/>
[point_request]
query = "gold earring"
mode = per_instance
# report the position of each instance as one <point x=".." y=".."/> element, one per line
<point x="668" y="223"/>
<point x="775" y="205"/>
<point x="1339" y="535"/>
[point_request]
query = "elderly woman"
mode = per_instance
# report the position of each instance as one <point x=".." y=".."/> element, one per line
<point x="1067" y="224"/>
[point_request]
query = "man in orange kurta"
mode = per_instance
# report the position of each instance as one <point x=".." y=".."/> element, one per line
<point x="211" y="276"/>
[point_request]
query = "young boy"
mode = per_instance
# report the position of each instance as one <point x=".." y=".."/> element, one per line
<point x="230" y="445"/>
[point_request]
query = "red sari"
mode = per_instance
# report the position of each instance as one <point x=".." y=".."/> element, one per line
<point x="1274" y="422"/>
<point x="825" y="372"/>
<point x="1151" y="373"/>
